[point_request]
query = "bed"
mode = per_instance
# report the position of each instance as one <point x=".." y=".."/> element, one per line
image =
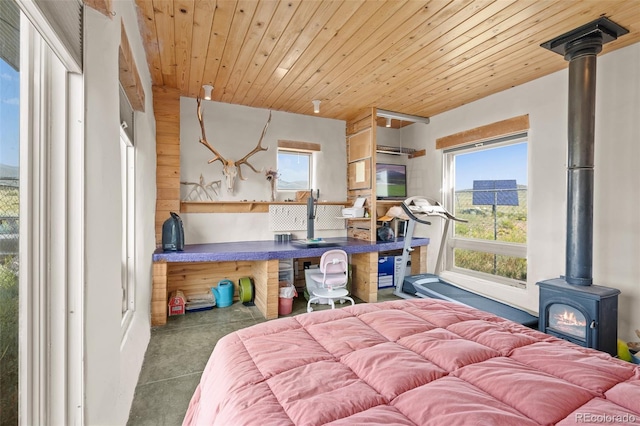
<point x="409" y="362"/>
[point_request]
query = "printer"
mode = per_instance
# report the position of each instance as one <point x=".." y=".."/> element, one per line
<point x="356" y="211"/>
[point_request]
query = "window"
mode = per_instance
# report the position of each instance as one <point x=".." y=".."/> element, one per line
<point x="127" y="179"/>
<point x="294" y="169"/>
<point x="487" y="186"/>
<point x="9" y="209"/>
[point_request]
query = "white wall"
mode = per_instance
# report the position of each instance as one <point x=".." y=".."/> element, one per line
<point x="617" y="179"/>
<point x="234" y="130"/>
<point x="112" y="365"/>
<point x="617" y="185"/>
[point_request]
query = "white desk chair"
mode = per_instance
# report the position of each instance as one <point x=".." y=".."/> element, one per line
<point x="332" y="279"/>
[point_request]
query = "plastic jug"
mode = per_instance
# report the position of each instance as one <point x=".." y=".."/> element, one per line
<point x="223" y="293"/>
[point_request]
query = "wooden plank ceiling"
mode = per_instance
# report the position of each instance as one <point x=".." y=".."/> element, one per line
<point x="414" y="57"/>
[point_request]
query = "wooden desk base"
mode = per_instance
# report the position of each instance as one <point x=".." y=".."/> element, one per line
<point x="170" y="276"/>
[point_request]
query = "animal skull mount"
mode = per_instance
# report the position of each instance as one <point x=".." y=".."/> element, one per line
<point x="230" y="168"/>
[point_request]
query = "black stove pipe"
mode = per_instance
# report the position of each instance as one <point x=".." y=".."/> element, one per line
<point x="581" y="47"/>
<point x="581" y="55"/>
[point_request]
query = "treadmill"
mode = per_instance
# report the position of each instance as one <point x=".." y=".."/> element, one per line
<point x="431" y="285"/>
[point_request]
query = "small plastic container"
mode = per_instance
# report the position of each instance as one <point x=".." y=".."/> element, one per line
<point x="285" y="301"/>
<point x="285" y="305"/>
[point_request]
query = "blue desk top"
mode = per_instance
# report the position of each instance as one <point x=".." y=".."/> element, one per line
<point x="267" y="250"/>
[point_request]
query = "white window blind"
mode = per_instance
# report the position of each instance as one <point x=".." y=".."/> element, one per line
<point x="59" y="22"/>
<point x="10" y="33"/>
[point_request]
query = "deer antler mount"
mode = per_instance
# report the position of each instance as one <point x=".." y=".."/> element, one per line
<point x="231" y="168"/>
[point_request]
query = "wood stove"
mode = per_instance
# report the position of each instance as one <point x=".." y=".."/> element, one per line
<point x="584" y="315"/>
<point x="571" y="307"/>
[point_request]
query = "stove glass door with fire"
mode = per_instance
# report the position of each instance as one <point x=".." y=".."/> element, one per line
<point x="568" y="322"/>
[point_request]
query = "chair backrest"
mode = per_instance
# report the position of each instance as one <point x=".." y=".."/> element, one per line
<point x="334" y="262"/>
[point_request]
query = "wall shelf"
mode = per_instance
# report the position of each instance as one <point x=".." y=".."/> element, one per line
<point x="390" y="202"/>
<point x="242" y="206"/>
<point x="394" y="150"/>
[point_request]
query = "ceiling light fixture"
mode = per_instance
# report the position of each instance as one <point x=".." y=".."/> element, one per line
<point x="401" y="116"/>
<point x="316" y="105"/>
<point x="207" y="91"/>
<point x="388" y="122"/>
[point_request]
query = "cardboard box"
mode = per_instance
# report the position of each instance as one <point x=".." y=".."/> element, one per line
<point x="389" y="269"/>
<point x="386" y="271"/>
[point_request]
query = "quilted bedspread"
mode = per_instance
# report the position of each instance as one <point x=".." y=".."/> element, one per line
<point x="409" y="362"/>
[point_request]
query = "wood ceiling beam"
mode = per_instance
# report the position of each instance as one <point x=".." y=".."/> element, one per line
<point x="129" y="77"/>
<point x="102" y="6"/>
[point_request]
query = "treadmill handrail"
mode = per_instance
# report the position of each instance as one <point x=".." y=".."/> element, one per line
<point x="437" y="210"/>
<point x="412" y="216"/>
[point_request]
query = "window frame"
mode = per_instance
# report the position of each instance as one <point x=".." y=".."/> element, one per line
<point x="128" y="174"/>
<point x="51" y="282"/>
<point x="486" y="246"/>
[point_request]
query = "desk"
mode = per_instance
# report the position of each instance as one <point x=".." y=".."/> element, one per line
<point x="203" y="265"/>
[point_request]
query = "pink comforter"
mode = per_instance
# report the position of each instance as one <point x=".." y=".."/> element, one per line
<point x="409" y="362"/>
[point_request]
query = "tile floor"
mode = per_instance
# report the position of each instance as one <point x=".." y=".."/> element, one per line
<point x="177" y="354"/>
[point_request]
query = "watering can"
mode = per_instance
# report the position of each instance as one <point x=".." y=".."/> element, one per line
<point x="223" y="293"/>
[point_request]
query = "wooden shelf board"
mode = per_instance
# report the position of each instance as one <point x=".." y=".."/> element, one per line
<point x="397" y="202"/>
<point x="241" y="206"/>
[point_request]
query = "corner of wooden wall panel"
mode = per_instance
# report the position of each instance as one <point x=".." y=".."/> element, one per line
<point x="166" y="106"/>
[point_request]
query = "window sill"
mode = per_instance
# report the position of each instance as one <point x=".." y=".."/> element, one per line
<point x="475" y="280"/>
<point x="511" y="295"/>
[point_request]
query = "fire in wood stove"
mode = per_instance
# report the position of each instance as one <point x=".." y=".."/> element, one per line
<point x="567" y="320"/>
